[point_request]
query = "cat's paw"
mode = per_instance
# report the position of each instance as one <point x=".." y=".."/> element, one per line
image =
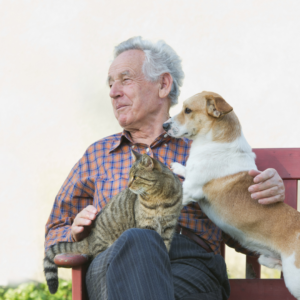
<point x="178" y="168"/>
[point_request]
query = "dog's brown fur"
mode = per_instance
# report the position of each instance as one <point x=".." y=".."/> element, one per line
<point x="277" y="225"/>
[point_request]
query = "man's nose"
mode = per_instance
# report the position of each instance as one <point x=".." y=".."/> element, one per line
<point x="166" y="126"/>
<point x="115" y="90"/>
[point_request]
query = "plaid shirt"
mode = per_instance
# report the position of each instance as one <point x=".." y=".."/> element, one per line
<point x="103" y="172"/>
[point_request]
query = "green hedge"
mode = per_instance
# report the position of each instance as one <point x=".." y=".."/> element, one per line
<point x="33" y="291"/>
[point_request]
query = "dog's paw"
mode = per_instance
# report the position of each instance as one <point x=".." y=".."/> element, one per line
<point x="270" y="262"/>
<point x="178" y="169"/>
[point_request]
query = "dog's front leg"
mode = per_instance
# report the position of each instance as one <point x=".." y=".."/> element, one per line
<point x="186" y="199"/>
<point x="178" y="168"/>
<point x="191" y="193"/>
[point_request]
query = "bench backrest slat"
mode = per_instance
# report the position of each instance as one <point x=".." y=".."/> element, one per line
<point x="285" y="161"/>
<point x="291" y="187"/>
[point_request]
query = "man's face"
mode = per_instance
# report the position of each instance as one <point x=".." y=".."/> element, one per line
<point x="134" y="98"/>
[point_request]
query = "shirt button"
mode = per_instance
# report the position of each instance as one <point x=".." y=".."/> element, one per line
<point x="132" y="146"/>
<point x="147" y="149"/>
<point x="166" y="145"/>
<point x="165" y="135"/>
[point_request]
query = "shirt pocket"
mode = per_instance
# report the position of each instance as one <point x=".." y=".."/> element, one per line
<point x="106" y="188"/>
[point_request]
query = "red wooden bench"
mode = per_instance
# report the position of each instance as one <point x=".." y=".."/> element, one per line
<point x="287" y="163"/>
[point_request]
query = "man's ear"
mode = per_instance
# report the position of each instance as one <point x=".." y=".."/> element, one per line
<point x="135" y="155"/>
<point x="217" y="106"/>
<point x="165" y="85"/>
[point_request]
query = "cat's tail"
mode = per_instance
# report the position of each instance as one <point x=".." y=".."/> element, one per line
<point x="50" y="268"/>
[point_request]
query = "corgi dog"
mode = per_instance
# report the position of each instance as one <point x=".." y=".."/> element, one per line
<point x="216" y="176"/>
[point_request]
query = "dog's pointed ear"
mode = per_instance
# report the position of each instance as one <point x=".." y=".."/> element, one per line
<point x="217" y="106"/>
<point x="135" y="155"/>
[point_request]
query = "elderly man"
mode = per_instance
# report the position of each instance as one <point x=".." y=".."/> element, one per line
<point x="144" y="81"/>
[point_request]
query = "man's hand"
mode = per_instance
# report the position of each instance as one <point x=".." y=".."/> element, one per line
<point x="268" y="187"/>
<point x="81" y="226"/>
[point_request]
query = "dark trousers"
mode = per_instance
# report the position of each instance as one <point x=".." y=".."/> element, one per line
<point x="138" y="267"/>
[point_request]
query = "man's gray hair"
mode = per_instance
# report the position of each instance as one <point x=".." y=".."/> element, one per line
<point x="160" y="58"/>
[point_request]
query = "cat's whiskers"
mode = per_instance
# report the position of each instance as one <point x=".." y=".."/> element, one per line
<point x="141" y="191"/>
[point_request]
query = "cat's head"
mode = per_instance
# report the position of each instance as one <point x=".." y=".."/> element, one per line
<point x="150" y="177"/>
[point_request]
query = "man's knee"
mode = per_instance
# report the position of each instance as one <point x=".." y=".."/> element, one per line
<point x="136" y="237"/>
<point x="145" y="244"/>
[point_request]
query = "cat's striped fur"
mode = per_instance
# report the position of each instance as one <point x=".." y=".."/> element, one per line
<point x="151" y="201"/>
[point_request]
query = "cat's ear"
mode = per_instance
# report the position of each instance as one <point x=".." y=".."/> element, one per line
<point x="147" y="162"/>
<point x="151" y="163"/>
<point x="135" y="155"/>
<point x="157" y="165"/>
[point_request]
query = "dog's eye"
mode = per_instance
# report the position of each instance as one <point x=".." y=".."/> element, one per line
<point x="187" y="111"/>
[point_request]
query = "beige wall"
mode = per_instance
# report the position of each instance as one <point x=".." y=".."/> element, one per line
<point x="54" y="57"/>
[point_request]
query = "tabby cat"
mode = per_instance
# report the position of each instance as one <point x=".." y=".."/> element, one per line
<point x="151" y="201"/>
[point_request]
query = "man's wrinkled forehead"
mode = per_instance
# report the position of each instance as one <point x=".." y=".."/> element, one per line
<point x="119" y="76"/>
<point x="129" y="61"/>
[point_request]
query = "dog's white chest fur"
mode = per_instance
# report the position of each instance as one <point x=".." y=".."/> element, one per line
<point x="209" y="160"/>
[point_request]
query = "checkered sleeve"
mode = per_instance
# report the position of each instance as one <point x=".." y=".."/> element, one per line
<point x="232" y="243"/>
<point x="75" y="194"/>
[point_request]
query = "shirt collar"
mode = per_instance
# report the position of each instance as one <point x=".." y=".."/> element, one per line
<point x="125" y="137"/>
<point x="121" y="138"/>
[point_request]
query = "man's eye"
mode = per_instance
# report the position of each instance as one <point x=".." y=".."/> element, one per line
<point x="188" y="111"/>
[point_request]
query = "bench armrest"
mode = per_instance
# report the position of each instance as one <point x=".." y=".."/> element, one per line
<point x="70" y="260"/>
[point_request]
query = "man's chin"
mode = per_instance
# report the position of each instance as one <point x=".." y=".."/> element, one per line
<point x="123" y="121"/>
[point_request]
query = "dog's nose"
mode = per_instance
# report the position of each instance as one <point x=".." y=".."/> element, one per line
<point x="166" y="126"/>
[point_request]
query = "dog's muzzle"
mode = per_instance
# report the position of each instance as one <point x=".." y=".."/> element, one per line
<point x="166" y="126"/>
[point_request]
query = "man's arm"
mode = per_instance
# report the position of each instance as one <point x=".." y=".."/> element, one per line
<point x="75" y="196"/>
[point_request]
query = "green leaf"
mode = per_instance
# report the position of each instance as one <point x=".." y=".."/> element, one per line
<point x="33" y="291"/>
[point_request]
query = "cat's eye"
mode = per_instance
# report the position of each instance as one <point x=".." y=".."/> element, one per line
<point x="187" y="110"/>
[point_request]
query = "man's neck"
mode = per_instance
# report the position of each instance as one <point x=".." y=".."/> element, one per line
<point x="146" y="135"/>
<point x="148" y="130"/>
